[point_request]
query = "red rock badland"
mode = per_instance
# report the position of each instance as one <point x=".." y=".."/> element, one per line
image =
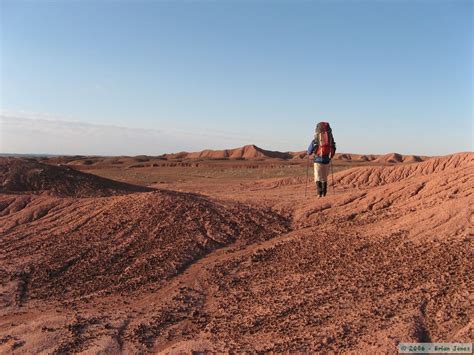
<point x="254" y="152"/>
<point x="221" y="258"/>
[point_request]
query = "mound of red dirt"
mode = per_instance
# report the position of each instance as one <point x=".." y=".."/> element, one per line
<point x="29" y="175"/>
<point x="95" y="161"/>
<point x="343" y="156"/>
<point x="427" y="199"/>
<point x="376" y="176"/>
<point x="412" y="159"/>
<point x="246" y="152"/>
<point x="298" y="155"/>
<point x="209" y="154"/>
<point x="253" y="152"/>
<point x="390" y="158"/>
<point x="79" y="247"/>
<point x="354" y="157"/>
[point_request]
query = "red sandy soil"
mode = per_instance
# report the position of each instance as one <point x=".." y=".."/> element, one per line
<point x="254" y="266"/>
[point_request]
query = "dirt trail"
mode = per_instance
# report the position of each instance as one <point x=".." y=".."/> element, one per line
<point x="197" y="278"/>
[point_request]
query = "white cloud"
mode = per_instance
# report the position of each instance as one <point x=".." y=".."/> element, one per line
<point x="22" y="132"/>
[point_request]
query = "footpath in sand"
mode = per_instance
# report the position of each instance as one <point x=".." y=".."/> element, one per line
<point x="100" y="267"/>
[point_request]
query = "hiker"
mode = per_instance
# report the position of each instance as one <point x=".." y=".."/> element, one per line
<point x="324" y="148"/>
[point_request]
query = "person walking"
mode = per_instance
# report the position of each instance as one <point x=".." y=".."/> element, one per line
<point x="324" y="147"/>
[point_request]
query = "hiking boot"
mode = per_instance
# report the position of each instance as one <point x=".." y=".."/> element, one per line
<point x="324" y="187"/>
<point x="319" y="188"/>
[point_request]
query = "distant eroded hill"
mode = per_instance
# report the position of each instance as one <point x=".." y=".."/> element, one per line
<point x="19" y="175"/>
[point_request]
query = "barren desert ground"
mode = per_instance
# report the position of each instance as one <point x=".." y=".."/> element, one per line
<point x="221" y="251"/>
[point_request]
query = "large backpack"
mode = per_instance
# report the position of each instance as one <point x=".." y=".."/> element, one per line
<point x="323" y="136"/>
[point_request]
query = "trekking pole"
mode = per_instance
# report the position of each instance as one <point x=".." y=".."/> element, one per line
<point x="307" y="174"/>
<point x="332" y="174"/>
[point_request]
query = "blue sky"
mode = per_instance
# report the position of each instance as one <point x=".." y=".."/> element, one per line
<point x="189" y="75"/>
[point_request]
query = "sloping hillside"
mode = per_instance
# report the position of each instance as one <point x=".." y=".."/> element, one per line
<point x="28" y="175"/>
<point x="77" y="247"/>
<point x="376" y="176"/>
